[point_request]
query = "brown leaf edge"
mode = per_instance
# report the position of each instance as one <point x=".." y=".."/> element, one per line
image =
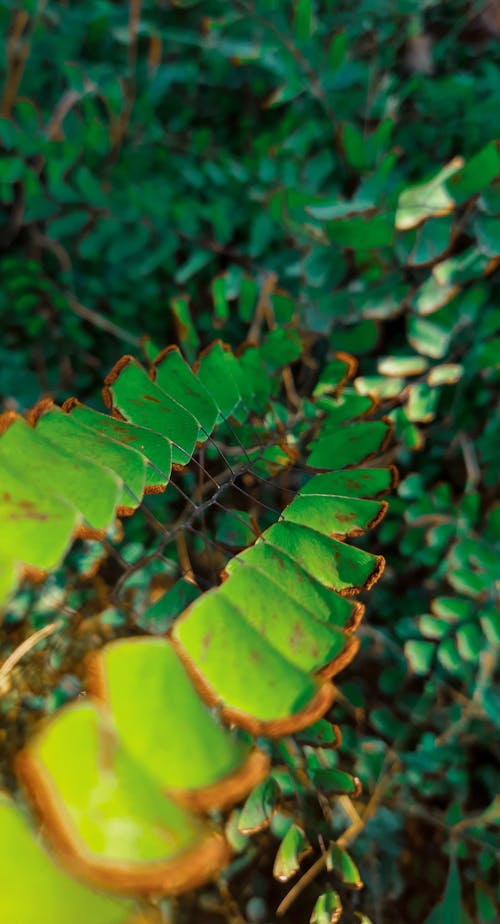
<point x="220" y="795"/>
<point x="188" y="870"/>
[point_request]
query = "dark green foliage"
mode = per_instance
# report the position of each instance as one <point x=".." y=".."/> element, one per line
<point x="198" y="170"/>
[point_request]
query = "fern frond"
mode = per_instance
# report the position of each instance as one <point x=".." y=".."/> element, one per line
<point x="123" y="781"/>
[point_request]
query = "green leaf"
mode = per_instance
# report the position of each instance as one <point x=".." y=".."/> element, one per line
<point x="67" y="225"/>
<point x="427" y="200"/>
<point x="321" y="734"/>
<point x="342" y="863"/>
<point x="23" y="508"/>
<point x="283" y="307"/>
<point x="333" y="515"/>
<point x="154" y="447"/>
<point x="432" y="627"/>
<point x="197" y="260"/>
<point x="336" y="51"/>
<point x="304" y="19"/>
<point x="344" y="407"/>
<point x="445" y="374"/>
<point x="298" y="583"/>
<point x="486" y="906"/>
<point x="335" y="374"/>
<point x="230" y="654"/>
<point x="75" y="438"/>
<point x="11" y="169"/>
<point x="248" y="300"/>
<point x="365" y="482"/>
<point x="402" y="365"/>
<point x="432" y="240"/>
<point x="458" y="270"/>
<point x="432" y="295"/>
<point x="143" y="403"/>
<point x="487" y="232"/>
<point x="450" y="907"/>
<point x="354" y="146"/>
<point x="281" y="347"/>
<point x="431" y="338"/>
<point x="292" y="850"/>
<point x="186" y="330"/>
<point x="359" y="338"/>
<point x="362" y="232"/>
<point x="378" y="386"/>
<point x="219" y="296"/>
<point x="237" y="841"/>
<point x="59" y="898"/>
<point x="105" y="812"/>
<point x="419" y="655"/>
<point x="329" y="211"/>
<point x="290" y="630"/>
<point x="449" y="657"/>
<point x="328" y="909"/>
<point x="216" y="372"/>
<point x="285" y="93"/>
<point x="259" y="807"/>
<point x="53" y="470"/>
<point x="490" y="624"/>
<point x="336" y="781"/>
<point x="358" y="443"/>
<point x="469" y="642"/>
<point x="422" y="403"/>
<point x="174" y="377"/>
<point x="159" y="617"/>
<point x="154" y="707"/>
<point x="235" y="528"/>
<point x="476" y="174"/>
<point x="331" y="562"/>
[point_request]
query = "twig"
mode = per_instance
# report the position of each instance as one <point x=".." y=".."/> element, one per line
<point x="308" y="877"/>
<point x="121" y="126"/>
<point x="22" y="649"/>
<point x="98" y="320"/>
<point x="17" y="53"/>
<point x="452" y="831"/>
<point x="291" y="391"/>
<point x="264" y="309"/>
<point x="470" y="461"/>
<point x="65" y="104"/>
<point x="348" y="837"/>
<point x="184" y="559"/>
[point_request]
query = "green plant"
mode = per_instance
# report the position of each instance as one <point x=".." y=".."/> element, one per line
<point x="164" y="168"/>
<point x="261" y="647"/>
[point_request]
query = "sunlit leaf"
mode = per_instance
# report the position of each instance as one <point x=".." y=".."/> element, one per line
<point x="259" y="808"/>
<point x="103" y="811"/>
<point x="293" y="848"/>
<point x="340" y="861"/>
<point x="57" y="897"/>
<point x="154" y="707"/>
<point x="328" y="909"/>
<point x="427" y="200"/>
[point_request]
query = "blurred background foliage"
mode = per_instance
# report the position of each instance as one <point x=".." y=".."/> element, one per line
<point x="158" y="160"/>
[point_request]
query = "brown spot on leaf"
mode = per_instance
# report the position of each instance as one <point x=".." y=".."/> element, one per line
<point x="296" y="639"/>
<point x="205" y="644"/>
<point x="345" y="517"/>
